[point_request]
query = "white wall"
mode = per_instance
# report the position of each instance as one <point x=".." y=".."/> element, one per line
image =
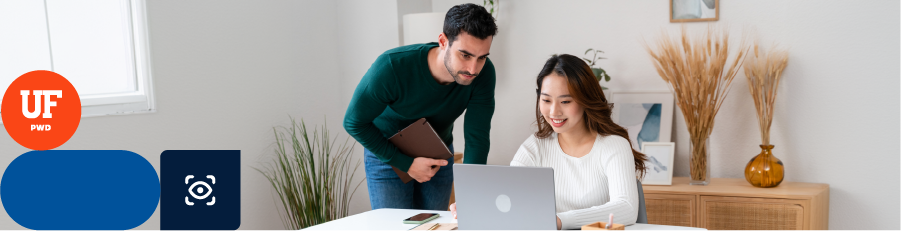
<point x="225" y="73"/>
<point x="405" y="7"/>
<point x="366" y="29"/>
<point x="837" y="115"/>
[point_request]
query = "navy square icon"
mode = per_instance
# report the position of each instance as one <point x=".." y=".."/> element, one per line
<point x="200" y="190"/>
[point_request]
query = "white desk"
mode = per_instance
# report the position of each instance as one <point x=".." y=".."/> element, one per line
<point x="392" y="219"/>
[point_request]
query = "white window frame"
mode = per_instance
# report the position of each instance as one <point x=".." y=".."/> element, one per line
<point x="141" y="100"/>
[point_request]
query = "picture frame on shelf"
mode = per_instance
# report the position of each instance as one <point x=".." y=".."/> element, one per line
<point x="694" y="10"/>
<point x="659" y="164"/>
<point x="647" y="116"/>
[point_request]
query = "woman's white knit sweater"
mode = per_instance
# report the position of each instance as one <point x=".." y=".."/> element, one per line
<point x="588" y="189"/>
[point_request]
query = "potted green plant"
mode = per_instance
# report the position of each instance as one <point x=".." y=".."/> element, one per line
<point x="599" y="72"/>
<point x="311" y="176"/>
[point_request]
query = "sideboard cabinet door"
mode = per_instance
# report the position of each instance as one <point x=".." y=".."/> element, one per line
<point x="671" y="209"/>
<point x="746" y="213"/>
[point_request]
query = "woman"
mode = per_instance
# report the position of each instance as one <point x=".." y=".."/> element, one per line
<point x="594" y="163"/>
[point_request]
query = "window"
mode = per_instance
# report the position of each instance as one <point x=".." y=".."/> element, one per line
<point x="100" y="46"/>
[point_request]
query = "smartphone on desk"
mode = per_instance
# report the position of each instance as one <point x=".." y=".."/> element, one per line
<point x="421" y="218"/>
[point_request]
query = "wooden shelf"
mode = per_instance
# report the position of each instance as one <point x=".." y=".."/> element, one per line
<point x="728" y="203"/>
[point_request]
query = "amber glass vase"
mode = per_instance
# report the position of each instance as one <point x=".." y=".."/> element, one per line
<point x="765" y="170"/>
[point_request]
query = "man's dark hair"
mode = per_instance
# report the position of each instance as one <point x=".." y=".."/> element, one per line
<point x="471" y="18"/>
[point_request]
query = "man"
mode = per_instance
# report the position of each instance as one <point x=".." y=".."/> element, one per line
<point x="436" y="81"/>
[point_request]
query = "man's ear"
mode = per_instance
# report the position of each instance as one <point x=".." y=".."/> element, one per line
<point x="442" y="41"/>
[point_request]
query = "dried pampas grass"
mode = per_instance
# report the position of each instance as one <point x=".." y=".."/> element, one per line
<point x="763" y="72"/>
<point x="695" y="69"/>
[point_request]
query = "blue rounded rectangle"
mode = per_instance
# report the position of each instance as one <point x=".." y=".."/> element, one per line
<point x="80" y="189"/>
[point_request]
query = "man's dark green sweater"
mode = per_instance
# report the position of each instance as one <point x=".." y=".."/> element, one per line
<point x="399" y="89"/>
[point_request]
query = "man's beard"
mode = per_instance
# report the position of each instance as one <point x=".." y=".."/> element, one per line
<point x="456" y="75"/>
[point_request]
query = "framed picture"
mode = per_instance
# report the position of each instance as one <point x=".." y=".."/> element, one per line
<point x="694" y="10"/>
<point x="659" y="164"/>
<point x="647" y="116"/>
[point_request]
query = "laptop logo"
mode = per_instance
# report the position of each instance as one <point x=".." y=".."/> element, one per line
<point x="503" y="203"/>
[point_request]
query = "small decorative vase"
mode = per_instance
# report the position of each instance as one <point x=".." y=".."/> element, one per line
<point x="700" y="170"/>
<point x="765" y="170"/>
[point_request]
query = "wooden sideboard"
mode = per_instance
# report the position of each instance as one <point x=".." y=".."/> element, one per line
<point x="728" y="203"/>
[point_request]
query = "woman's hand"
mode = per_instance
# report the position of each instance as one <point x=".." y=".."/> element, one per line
<point x="453" y="209"/>
<point x="559" y="223"/>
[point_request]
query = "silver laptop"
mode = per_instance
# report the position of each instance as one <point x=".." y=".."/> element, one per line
<point x="503" y="197"/>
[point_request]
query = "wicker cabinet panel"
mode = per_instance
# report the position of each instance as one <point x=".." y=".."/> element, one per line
<point x="718" y="213"/>
<point x="664" y="209"/>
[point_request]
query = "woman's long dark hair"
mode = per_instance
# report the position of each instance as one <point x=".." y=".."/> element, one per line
<point x="586" y="91"/>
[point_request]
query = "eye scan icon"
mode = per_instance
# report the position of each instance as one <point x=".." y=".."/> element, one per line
<point x="198" y="187"/>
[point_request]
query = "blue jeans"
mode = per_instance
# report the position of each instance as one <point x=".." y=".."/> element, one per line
<point x="386" y="190"/>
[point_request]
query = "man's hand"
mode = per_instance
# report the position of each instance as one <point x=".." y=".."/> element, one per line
<point x="421" y="170"/>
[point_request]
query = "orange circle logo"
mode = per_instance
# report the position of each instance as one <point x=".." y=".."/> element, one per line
<point x="41" y="110"/>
